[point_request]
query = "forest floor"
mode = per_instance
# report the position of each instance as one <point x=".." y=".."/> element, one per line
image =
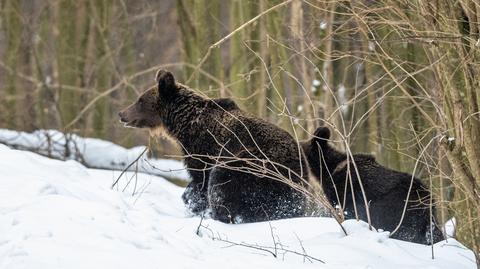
<point x="60" y="214"/>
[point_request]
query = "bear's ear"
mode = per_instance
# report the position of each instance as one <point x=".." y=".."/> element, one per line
<point x="322" y="134"/>
<point x="166" y="83"/>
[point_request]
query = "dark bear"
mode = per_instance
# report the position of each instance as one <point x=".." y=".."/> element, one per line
<point x="243" y="169"/>
<point x="225" y="103"/>
<point x="385" y="189"/>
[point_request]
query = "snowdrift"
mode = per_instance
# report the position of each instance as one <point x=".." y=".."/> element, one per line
<point x="60" y="214"/>
<point x="94" y="153"/>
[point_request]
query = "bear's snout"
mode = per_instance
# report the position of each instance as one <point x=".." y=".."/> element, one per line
<point x="122" y="116"/>
<point x="131" y="119"/>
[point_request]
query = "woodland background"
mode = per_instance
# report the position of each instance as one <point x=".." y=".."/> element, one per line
<point x="399" y="79"/>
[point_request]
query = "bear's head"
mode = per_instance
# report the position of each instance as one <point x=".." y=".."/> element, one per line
<point x="318" y="141"/>
<point x="151" y="108"/>
<point x="317" y="150"/>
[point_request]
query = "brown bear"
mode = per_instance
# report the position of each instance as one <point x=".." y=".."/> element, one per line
<point x="385" y="189"/>
<point x="243" y="169"/>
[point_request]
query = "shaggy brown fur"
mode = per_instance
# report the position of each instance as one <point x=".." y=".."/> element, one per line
<point x="385" y="189"/>
<point x="241" y="166"/>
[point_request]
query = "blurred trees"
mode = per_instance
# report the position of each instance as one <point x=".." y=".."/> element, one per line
<point x="58" y="58"/>
<point x="398" y="78"/>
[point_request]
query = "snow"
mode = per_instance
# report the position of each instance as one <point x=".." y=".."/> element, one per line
<point x="342" y="98"/>
<point x="323" y="25"/>
<point x="371" y="46"/>
<point x="315" y="84"/>
<point x="94" y="153"/>
<point x="450" y="227"/>
<point x="60" y="214"/>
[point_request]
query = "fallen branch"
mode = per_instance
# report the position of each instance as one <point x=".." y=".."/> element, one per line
<point x="270" y="250"/>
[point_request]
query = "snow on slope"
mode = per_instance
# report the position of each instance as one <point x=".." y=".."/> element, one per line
<point x="93" y="152"/>
<point x="59" y="214"/>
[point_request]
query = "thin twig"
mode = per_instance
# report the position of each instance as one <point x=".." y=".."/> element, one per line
<point x="130" y="165"/>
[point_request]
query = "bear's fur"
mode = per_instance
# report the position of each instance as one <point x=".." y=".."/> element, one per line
<point x="385" y="189"/>
<point x="240" y="165"/>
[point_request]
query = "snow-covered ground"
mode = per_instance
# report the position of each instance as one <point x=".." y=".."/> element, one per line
<point x="94" y="153"/>
<point x="60" y="214"/>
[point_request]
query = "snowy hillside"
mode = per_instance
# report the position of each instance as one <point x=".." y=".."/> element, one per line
<point x="59" y="214"/>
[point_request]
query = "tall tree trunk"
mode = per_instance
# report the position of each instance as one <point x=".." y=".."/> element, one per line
<point x="13" y="33"/>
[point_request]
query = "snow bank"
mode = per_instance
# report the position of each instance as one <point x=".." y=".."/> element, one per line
<point x="59" y="214"/>
<point x="95" y="153"/>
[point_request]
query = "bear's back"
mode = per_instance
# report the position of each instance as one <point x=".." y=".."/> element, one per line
<point x="252" y="137"/>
